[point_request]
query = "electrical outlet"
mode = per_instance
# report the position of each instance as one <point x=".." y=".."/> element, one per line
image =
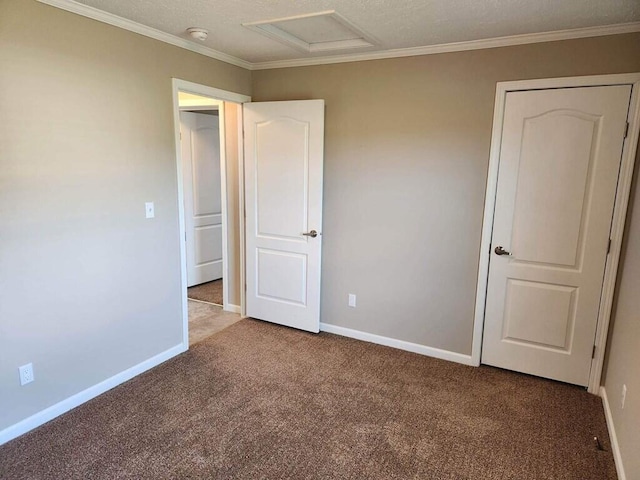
<point x="352" y="300"/>
<point x="26" y="374"/>
<point x="149" y="209"/>
<point x="624" y="396"/>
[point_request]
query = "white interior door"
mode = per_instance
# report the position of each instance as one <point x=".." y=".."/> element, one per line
<point x="559" y="161"/>
<point x="200" y="135"/>
<point x="284" y="150"/>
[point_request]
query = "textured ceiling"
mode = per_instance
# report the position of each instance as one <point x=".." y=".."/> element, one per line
<point x="394" y="23"/>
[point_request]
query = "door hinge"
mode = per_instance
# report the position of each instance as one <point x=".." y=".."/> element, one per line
<point x="593" y="352"/>
<point x="626" y="130"/>
<point x="609" y="247"/>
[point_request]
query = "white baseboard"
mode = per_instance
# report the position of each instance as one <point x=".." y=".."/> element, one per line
<point x="612" y="435"/>
<point x="399" y="344"/>
<point x="73" y="401"/>
<point x="232" y="308"/>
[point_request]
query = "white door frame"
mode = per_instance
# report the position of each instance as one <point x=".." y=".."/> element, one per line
<point x="195" y="88"/>
<point x="619" y="212"/>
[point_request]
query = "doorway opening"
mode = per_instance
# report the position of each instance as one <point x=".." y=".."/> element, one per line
<point x="201" y="145"/>
<point x="209" y="167"/>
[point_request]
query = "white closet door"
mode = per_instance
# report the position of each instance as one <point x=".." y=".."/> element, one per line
<point x="559" y="162"/>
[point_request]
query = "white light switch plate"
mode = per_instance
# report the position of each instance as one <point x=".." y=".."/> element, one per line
<point x="352" y="300"/>
<point x="149" y="209"/>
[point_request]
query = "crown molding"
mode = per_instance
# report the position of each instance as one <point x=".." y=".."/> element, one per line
<point x="116" y="21"/>
<point x="457" y="46"/>
<point x="111" y="19"/>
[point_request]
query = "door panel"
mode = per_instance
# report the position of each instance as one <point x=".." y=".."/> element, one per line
<point x="564" y="171"/>
<point x="208" y="252"/>
<point x="283" y="191"/>
<point x="282" y="177"/>
<point x="282" y="276"/>
<point x="556" y="306"/>
<point x="559" y="161"/>
<point x="202" y="196"/>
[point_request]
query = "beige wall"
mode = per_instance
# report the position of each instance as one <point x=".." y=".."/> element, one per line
<point x="407" y="147"/>
<point x="88" y="286"/>
<point x="623" y="352"/>
<point x="233" y="201"/>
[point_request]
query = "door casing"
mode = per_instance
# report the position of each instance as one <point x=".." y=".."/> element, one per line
<point x="619" y="213"/>
<point x="195" y="88"/>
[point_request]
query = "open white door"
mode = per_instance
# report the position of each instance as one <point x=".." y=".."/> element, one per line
<point x="559" y="163"/>
<point x="284" y="152"/>
<point x="200" y="143"/>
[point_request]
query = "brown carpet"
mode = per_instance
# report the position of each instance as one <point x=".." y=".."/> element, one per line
<point x="207" y="292"/>
<point x="259" y="401"/>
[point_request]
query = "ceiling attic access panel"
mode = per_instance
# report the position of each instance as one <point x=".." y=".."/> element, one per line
<point x="315" y="32"/>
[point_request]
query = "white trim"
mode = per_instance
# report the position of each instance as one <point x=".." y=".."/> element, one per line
<point x="241" y="214"/>
<point x="568" y="82"/>
<point x="185" y="86"/>
<point x="181" y="221"/>
<point x="73" y="401"/>
<point x="456" y="46"/>
<point x="619" y="212"/>
<point x="399" y="344"/>
<point x="617" y="231"/>
<point x="101" y="16"/>
<point x="615" y="447"/>
<point x="130" y="25"/>
<point x="218" y="94"/>
<point x="487" y="225"/>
